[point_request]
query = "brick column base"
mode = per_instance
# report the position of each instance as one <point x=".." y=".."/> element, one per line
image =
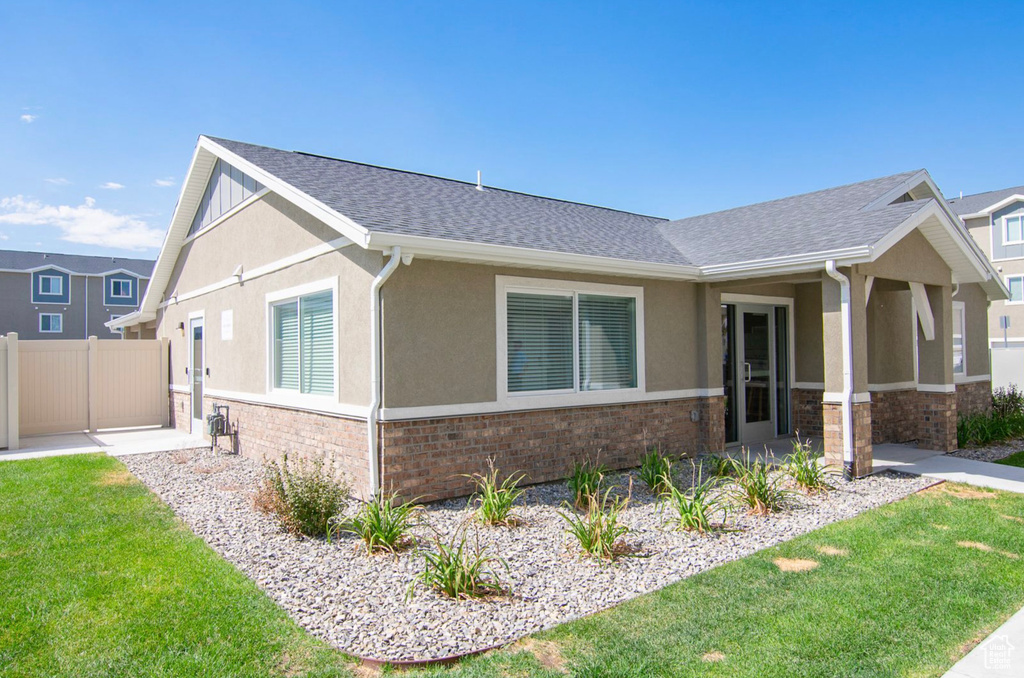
<point x="937" y="421"/>
<point x="832" y="417"/>
<point x="712" y="424"/>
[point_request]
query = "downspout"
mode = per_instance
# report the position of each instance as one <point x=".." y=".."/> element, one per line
<point x="845" y="309"/>
<point x="375" y="365"/>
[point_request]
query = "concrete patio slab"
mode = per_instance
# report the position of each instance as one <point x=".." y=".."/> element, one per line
<point x="1001" y="655"/>
<point x="115" y="443"/>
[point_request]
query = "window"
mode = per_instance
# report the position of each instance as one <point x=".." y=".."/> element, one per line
<point x="1013" y="230"/>
<point x="959" y="323"/>
<point x="51" y="323"/>
<point x="121" y="288"/>
<point x="563" y="341"/>
<point x="118" y="330"/>
<point x="1015" y="283"/>
<point x="51" y="284"/>
<point x="303" y="343"/>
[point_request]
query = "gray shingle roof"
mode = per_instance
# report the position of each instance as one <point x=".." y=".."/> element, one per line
<point x="406" y="203"/>
<point x="812" y="222"/>
<point x="972" y="204"/>
<point x="11" y="260"/>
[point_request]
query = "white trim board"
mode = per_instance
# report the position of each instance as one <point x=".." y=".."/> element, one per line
<point x="324" y="405"/>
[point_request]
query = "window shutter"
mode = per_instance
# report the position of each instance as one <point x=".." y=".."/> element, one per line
<point x="607" y="335"/>
<point x="540" y="337"/>
<point x="318" y="343"/>
<point x="286" y="346"/>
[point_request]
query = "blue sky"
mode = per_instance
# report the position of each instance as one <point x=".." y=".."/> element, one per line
<point x="670" y="109"/>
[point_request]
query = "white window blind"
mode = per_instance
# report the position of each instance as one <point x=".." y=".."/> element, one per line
<point x="304" y="344"/>
<point x="607" y="342"/>
<point x="286" y="346"/>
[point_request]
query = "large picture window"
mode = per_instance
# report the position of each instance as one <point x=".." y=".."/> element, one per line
<point x="303" y="343"/>
<point x="568" y="341"/>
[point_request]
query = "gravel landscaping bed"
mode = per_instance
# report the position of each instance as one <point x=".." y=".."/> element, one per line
<point x="360" y="603"/>
<point x="991" y="452"/>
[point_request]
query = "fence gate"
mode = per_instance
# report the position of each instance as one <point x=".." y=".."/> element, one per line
<point x="62" y="386"/>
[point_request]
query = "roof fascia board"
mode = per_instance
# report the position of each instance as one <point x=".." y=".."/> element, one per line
<point x="995" y="207"/>
<point x="790" y="264"/>
<point x="52" y="267"/>
<point x="900" y="189"/>
<point x="461" y="250"/>
<point x="130" y="320"/>
<point x="339" y="222"/>
<point x="118" y="270"/>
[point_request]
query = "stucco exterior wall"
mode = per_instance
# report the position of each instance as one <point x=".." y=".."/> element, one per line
<point x="911" y="259"/>
<point x="262" y="233"/>
<point x="807" y="339"/>
<point x="440" y="343"/>
<point x="976" y="310"/>
<point x="890" y="326"/>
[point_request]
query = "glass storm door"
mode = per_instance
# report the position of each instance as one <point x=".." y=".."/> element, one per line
<point x="196" y="369"/>
<point x="755" y="376"/>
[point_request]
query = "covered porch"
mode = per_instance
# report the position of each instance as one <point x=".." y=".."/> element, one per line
<point x="858" y="355"/>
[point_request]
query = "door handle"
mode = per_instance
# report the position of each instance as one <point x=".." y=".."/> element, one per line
<point x="746" y="377"/>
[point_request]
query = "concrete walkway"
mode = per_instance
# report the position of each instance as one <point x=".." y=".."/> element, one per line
<point x="1001" y="655"/>
<point x="931" y="464"/>
<point x="115" y="443"/>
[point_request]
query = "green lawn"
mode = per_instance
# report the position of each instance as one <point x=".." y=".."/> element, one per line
<point x="1015" y="459"/>
<point x="98" y="578"/>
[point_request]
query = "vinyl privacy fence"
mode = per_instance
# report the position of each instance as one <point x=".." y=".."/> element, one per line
<point x="61" y="386"/>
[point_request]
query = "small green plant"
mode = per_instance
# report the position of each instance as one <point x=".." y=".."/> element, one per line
<point x="805" y="468"/>
<point x="495" y="500"/>
<point x="459" y="570"/>
<point x="305" y="497"/>
<point x="656" y="472"/>
<point x="756" y="487"/>
<point x="383" y="523"/>
<point x="585" y="481"/>
<point x="719" y="465"/>
<point x="598" y="530"/>
<point x="695" y="508"/>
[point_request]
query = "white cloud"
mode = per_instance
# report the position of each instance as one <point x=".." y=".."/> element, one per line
<point x="28" y="118"/>
<point x="86" y="223"/>
<point x="112" y="186"/>
<point x="164" y="183"/>
<point x="58" y="181"/>
<point x="3" y="236"/>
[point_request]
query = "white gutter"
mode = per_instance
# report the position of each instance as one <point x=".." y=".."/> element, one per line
<point x="375" y="365"/>
<point x="845" y="309"/>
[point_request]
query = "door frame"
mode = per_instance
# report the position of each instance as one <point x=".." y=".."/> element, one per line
<point x="196" y="318"/>
<point x="748" y="300"/>
<point x="766" y="429"/>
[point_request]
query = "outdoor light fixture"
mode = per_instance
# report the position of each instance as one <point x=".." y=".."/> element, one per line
<point x="181" y="328"/>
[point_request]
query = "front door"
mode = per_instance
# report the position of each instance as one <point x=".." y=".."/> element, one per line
<point x="196" y="370"/>
<point x="755" y="377"/>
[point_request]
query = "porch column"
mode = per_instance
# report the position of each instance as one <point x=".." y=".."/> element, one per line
<point x="709" y="368"/>
<point x="936" y="390"/>
<point x="833" y="349"/>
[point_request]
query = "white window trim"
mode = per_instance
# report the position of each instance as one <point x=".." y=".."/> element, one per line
<point x="1006" y="280"/>
<point x="123" y="282"/>
<point x="1006" y="229"/>
<point x="505" y="284"/>
<point x="60" y="285"/>
<point x="51" y="331"/>
<point x="960" y="308"/>
<point x="297" y="398"/>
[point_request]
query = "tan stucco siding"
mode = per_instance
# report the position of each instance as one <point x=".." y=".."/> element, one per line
<point x="911" y="259"/>
<point x="890" y="324"/>
<point x="263" y="233"/>
<point x="260" y="233"/>
<point x="976" y="330"/>
<point x="807" y="323"/>
<point x="440" y="343"/>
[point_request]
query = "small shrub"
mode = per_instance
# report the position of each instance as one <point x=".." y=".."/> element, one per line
<point x="1007" y="401"/>
<point x="496" y="501"/>
<point x="585" y="481"/>
<point x="656" y="472"/>
<point x="695" y="507"/>
<point x="382" y="523"/>
<point x="458" y="570"/>
<point x="804" y="467"/>
<point x="756" y="487"/>
<point x="598" y="530"/>
<point x="304" y="496"/>
<point x="719" y="464"/>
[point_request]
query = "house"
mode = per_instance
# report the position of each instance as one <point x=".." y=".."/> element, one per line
<point x="68" y="296"/>
<point x="408" y="327"/>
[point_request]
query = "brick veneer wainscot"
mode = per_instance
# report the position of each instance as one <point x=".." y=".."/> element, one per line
<point x="807" y="417"/>
<point x="895" y="416"/>
<point x="974" y="398"/>
<point x="832" y="414"/>
<point x="937" y="421"/>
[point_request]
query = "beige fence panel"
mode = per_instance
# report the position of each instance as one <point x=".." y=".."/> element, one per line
<point x="53" y="386"/>
<point x="127" y="387"/>
<point x="3" y="391"/>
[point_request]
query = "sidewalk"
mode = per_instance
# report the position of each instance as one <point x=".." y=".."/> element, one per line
<point x="1001" y="655"/>
<point x="115" y="443"/>
<point x="940" y="466"/>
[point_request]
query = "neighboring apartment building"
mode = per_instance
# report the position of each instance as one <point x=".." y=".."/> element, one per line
<point x="67" y="296"/>
<point x="996" y="221"/>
